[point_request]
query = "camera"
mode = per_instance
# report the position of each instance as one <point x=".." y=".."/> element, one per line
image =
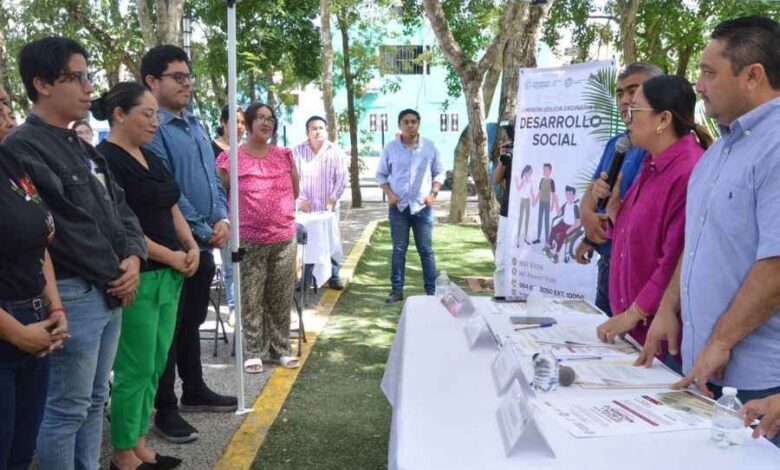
<point x="509" y="129"/>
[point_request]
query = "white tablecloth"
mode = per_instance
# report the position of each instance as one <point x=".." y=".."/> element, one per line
<point x="324" y="242"/>
<point x="444" y="403"/>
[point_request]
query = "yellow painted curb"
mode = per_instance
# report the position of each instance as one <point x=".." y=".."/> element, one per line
<point x="246" y="442"/>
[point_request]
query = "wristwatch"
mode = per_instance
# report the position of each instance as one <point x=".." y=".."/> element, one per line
<point x="434" y="193"/>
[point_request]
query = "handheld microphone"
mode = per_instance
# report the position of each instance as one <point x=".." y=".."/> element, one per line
<point x="621" y="147"/>
<point x="566" y="376"/>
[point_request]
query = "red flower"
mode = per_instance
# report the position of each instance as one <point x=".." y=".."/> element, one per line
<point x="28" y="186"/>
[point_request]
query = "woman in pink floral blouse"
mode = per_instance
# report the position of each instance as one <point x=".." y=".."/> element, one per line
<point x="267" y="189"/>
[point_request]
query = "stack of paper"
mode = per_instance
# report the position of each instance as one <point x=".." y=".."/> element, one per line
<point x="570" y="343"/>
<point x="622" y="374"/>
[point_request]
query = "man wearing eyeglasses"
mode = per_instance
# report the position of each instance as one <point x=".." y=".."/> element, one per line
<point x="97" y="250"/>
<point x="594" y="220"/>
<point x="182" y="142"/>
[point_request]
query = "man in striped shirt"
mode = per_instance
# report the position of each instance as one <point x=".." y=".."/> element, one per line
<point x="323" y="174"/>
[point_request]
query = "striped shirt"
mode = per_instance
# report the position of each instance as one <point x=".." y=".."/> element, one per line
<point x="322" y="176"/>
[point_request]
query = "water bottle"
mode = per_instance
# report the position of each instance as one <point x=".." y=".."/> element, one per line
<point x="442" y="284"/>
<point x="545" y="371"/>
<point x="727" y="419"/>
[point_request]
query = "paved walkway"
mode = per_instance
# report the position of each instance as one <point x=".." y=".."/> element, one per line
<point x="216" y="429"/>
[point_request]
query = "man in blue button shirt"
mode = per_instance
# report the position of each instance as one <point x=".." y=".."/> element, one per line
<point x="182" y="143"/>
<point x="411" y="173"/>
<point x="594" y="219"/>
<point x="728" y="281"/>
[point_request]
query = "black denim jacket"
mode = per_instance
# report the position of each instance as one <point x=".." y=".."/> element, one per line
<point x="95" y="228"/>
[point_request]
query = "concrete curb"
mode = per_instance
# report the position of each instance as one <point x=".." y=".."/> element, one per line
<point x="248" y="439"/>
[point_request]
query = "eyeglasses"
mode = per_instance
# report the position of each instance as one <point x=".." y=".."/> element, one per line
<point x="84" y="77"/>
<point x="265" y="119"/>
<point x="180" y="77"/>
<point x="150" y="113"/>
<point x="631" y="110"/>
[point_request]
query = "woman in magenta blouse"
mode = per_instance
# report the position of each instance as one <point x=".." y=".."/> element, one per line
<point x="648" y="224"/>
<point x="267" y="190"/>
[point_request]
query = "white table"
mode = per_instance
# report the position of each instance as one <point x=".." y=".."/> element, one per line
<point x="324" y="242"/>
<point x="444" y="404"/>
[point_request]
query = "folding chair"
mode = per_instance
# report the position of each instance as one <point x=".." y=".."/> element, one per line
<point x="299" y="297"/>
<point x="215" y="299"/>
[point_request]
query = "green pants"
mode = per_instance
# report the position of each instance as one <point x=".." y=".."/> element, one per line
<point x="147" y="331"/>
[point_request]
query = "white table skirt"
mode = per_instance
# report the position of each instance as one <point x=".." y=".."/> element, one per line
<point x="444" y="403"/>
<point x="324" y="242"/>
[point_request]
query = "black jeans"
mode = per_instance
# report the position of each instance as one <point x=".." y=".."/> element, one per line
<point x="185" y="349"/>
<point x="23" y="382"/>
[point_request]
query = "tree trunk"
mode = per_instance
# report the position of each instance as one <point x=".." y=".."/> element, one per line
<point x="471" y="76"/>
<point x="354" y="166"/>
<point x="145" y="22"/>
<point x="169" y="13"/>
<point x="327" y="71"/>
<point x="252" y="92"/>
<point x="626" y="14"/>
<point x="684" y="58"/>
<point x="488" y="205"/>
<point x="460" y="172"/>
<point x="460" y="166"/>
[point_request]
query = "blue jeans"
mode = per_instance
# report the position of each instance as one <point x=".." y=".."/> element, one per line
<point x="227" y="274"/>
<point x="23" y="380"/>
<point x="602" y="286"/>
<point x="747" y="395"/>
<point x="421" y="224"/>
<point x="72" y="428"/>
<point x="308" y="272"/>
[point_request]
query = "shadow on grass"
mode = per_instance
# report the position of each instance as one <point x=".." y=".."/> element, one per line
<point x="336" y="416"/>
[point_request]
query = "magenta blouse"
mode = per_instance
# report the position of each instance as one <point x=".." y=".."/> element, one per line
<point x="648" y="235"/>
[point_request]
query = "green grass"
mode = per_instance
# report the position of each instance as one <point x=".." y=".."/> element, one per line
<point x="336" y="416"/>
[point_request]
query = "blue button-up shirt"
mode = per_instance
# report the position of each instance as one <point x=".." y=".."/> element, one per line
<point x="411" y="172"/>
<point x="630" y="169"/>
<point x="732" y="221"/>
<point x="184" y="146"/>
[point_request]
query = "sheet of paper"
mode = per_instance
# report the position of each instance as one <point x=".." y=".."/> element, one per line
<point x="602" y="417"/>
<point x="622" y="374"/>
<point x="570" y="342"/>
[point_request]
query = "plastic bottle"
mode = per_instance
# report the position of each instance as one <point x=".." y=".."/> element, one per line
<point x="442" y="284"/>
<point x="545" y="371"/>
<point x="727" y="426"/>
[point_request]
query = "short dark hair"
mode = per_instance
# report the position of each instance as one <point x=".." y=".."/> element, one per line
<point x="751" y="40"/>
<point x="156" y="61"/>
<point x="223" y="118"/>
<point x="649" y="70"/>
<point x="408" y="111"/>
<point x="251" y="114"/>
<point x="547" y="165"/>
<point x="46" y="59"/>
<point x="80" y="122"/>
<point x="571" y="189"/>
<point x="123" y="95"/>
<point x="315" y="118"/>
<point x="675" y="94"/>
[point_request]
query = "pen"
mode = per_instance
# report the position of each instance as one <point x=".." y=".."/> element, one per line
<point x="531" y="327"/>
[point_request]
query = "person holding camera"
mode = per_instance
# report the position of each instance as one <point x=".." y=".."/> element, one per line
<point x="503" y="175"/>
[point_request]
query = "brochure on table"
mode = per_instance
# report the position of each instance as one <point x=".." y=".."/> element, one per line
<point x="645" y="413"/>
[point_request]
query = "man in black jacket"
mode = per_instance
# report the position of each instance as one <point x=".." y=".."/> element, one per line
<point x="97" y="250"/>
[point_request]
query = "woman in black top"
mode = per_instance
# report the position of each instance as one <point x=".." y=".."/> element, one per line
<point x="148" y="324"/>
<point x="27" y="332"/>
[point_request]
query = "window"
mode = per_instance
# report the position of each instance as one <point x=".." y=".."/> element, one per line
<point x="376" y="120"/>
<point x="404" y="60"/>
<point x="443" y="120"/>
<point x="448" y="122"/>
